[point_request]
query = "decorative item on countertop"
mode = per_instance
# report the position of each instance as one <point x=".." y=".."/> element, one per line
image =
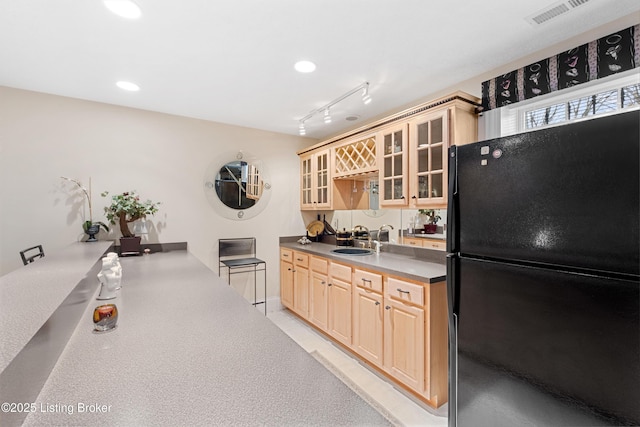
<point x="105" y="317"/>
<point x="109" y="278"/>
<point x="116" y="261"/>
<point x="433" y="217"/>
<point x="304" y="241"/>
<point x="91" y="228"/>
<point x="126" y="208"/>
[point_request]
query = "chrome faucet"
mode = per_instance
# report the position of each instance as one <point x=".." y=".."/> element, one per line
<point x="362" y="227"/>
<point x="382" y="227"/>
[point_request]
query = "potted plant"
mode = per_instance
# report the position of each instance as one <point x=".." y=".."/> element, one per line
<point x="91" y="228"/>
<point x="433" y="217"/>
<point x="125" y="208"/>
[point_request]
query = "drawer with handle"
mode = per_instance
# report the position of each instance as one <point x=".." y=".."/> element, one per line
<point x="300" y="259"/>
<point x="367" y="280"/>
<point x="405" y="291"/>
<point x="286" y="255"/>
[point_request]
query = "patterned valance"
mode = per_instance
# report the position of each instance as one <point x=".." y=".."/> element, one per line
<point x="608" y="55"/>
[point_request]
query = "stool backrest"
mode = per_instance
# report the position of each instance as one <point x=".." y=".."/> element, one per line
<point x="237" y="248"/>
<point x="28" y="256"/>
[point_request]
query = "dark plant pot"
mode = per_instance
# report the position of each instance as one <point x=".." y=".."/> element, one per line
<point x="430" y="228"/>
<point x="130" y="246"/>
<point x="92" y="231"/>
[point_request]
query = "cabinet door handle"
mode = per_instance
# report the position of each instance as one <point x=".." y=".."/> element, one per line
<point x="366" y="280"/>
<point x="322" y="283"/>
<point x="329" y="284"/>
<point x="388" y="308"/>
<point x="403" y="292"/>
<point x="298" y="259"/>
<point x="289" y="269"/>
<point x="377" y="303"/>
<point x="413" y="197"/>
<point x="293" y="271"/>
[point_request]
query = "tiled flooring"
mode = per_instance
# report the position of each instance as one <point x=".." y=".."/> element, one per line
<point x="404" y="409"/>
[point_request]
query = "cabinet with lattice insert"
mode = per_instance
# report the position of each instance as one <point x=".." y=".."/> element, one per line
<point x="355" y="158"/>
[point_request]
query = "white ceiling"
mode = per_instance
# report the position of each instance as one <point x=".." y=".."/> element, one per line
<point x="232" y="61"/>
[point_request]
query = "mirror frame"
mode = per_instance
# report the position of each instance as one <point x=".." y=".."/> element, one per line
<point x="212" y="196"/>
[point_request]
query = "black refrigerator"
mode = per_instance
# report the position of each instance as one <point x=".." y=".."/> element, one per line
<point x="543" y="277"/>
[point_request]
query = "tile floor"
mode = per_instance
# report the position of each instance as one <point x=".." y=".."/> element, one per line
<point x="407" y="411"/>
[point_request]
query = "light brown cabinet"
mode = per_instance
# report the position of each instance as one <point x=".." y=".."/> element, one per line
<point x="301" y="284"/>
<point x="399" y="326"/>
<point x="319" y="292"/>
<point x="294" y="281"/>
<point x="394" y="173"/>
<point x="315" y="180"/>
<point x="286" y="278"/>
<point x="414" y="166"/>
<point x="368" y="314"/>
<point x="429" y="143"/>
<point x="339" y="304"/>
<point x="404" y="323"/>
<point x="409" y="157"/>
<point x="425" y="242"/>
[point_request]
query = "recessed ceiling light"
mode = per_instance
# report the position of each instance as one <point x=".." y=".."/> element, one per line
<point x="305" y="66"/>
<point x="125" y="8"/>
<point x="132" y="87"/>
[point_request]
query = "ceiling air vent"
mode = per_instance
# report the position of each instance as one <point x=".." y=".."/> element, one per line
<point x="554" y="11"/>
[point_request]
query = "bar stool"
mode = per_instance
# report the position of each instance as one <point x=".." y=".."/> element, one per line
<point x="240" y="254"/>
<point x="27" y="259"/>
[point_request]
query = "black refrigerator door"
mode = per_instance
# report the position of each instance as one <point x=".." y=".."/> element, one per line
<point x="566" y="196"/>
<point x="544" y="348"/>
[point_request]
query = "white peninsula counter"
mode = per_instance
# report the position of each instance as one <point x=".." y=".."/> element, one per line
<point x="188" y="350"/>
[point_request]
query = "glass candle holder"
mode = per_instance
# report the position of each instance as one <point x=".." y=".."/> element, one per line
<point x="105" y="317"/>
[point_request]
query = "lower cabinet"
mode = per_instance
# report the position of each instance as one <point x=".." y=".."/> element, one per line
<point x="319" y="292"/>
<point x="368" y="325"/>
<point x="301" y="284"/>
<point x="397" y="326"/>
<point x="404" y="343"/>
<point x="286" y="279"/>
<point x="339" y="304"/>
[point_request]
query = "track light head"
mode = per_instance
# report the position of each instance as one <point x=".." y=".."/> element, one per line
<point x="366" y="98"/>
<point x="327" y="116"/>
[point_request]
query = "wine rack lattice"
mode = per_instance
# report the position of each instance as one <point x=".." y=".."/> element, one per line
<point x="356" y="158"/>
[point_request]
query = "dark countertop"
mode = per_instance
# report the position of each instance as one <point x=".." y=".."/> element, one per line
<point x="189" y="350"/>
<point x="421" y="265"/>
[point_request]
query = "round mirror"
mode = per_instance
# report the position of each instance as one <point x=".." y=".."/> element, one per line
<point x="237" y="188"/>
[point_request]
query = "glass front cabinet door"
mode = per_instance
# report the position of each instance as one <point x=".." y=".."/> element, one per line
<point x="315" y="181"/>
<point x="428" y="150"/>
<point x="393" y="163"/>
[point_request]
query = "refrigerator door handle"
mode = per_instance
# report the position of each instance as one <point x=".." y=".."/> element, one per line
<point x="453" y="287"/>
<point x="453" y="217"/>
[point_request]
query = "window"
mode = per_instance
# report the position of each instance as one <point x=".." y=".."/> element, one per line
<point x="604" y="96"/>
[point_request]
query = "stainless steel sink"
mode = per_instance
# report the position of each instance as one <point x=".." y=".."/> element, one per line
<point x="352" y="251"/>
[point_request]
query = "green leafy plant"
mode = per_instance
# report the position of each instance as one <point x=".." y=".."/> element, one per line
<point x="87" y="194"/>
<point x="126" y="208"/>
<point x="433" y="215"/>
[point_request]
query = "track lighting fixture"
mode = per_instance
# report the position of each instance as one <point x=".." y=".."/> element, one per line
<point x="366" y="99"/>
<point x="327" y="116"/>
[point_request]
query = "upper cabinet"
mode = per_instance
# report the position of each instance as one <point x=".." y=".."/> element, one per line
<point x="428" y="150"/>
<point x="315" y="182"/>
<point x="393" y="178"/>
<point x="408" y="152"/>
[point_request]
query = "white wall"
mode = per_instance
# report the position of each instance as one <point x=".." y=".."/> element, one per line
<point x="161" y="156"/>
